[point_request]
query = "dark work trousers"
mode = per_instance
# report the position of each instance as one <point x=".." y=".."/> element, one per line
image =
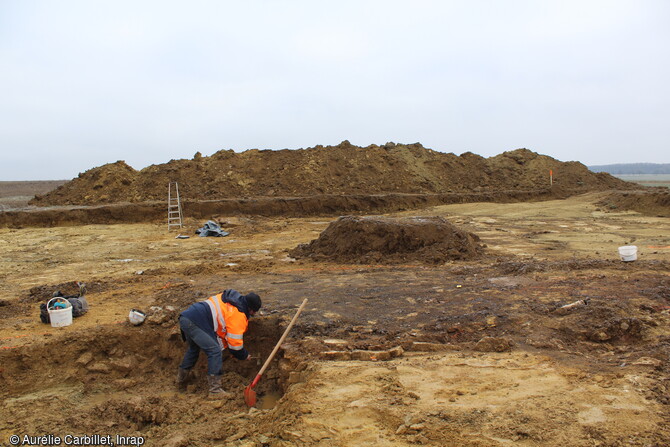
<point x="198" y="339"/>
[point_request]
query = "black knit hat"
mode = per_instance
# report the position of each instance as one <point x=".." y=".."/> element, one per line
<point x="253" y="301"/>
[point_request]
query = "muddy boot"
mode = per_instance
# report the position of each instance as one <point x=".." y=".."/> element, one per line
<point x="215" y="390"/>
<point x="182" y="377"/>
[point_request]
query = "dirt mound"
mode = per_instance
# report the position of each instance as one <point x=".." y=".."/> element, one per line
<point x="341" y="169"/>
<point x="650" y="203"/>
<point x="364" y="240"/>
<point x="108" y="183"/>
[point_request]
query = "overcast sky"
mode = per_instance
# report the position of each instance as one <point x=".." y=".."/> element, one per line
<point x="84" y="83"/>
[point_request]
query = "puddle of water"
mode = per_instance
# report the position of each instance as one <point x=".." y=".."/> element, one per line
<point x="268" y="400"/>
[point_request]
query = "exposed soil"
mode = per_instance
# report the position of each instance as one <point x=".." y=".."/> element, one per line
<point x="473" y="352"/>
<point x="319" y="205"/>
<point x="340" y="170"/>
<point x="652" y="202"/>
<point x="383" y="240"/>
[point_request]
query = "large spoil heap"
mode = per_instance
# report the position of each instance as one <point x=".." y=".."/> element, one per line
<point x="341" y="169"/>
<point x="385" y="240"/>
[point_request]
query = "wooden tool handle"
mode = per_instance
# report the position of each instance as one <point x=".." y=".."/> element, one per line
<point x="281" y="340"/>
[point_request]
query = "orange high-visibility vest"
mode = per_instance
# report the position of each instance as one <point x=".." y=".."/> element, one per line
<point x="229" y="323"/>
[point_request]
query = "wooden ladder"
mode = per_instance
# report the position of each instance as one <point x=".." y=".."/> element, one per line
<point x="174" y="206"/>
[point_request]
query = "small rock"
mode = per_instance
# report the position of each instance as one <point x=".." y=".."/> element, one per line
<point x="396" y="352"/>
<point x="411" y="419"/>
<point x="85" y="358"/>
<point x="421" y="439"/>
<point x="215" y="404"/>
<point x="600" y="336"/>
<point x="370" y="355"/>
<point x="336" y="355"/>
<point x="294" y="377"/>
<point x="362" y="355"/>
<point x="493" y="344"/>
<point x="334" y="341"/>
<point x="402" y="429"/>
<point x="239" y="435"/>
<point x="99" y="367"/>
<point x="648" y="361"/>
<point x="294" y="434"/>
<point x="124" y="365"/>
<point x="176" y="441"/>
<point x="125" y="383"/>
<point x="360" y="403"/>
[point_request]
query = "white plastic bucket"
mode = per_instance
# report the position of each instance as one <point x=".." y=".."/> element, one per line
<point x="60" y="317"/>
<point x="628" y="253"/>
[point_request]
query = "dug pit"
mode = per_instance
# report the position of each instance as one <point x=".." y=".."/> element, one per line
<point x="121" y="380"/>
<point x="384" y="240"/>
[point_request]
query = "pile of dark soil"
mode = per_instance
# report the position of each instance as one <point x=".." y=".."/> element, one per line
<point x="654" y="202"/>
<point x="342" y="170"/>
<point x="382" y="240"/>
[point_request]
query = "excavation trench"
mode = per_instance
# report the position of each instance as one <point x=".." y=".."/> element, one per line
<point x="121" y="379"/>
<point x="324" y="204"/>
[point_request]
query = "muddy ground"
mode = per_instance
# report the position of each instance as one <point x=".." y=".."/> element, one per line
<point x="466" y="352"/>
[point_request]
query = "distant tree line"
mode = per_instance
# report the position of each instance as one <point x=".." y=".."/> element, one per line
<point x="633" y="168"/>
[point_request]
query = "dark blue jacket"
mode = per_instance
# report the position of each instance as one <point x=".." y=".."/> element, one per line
<point x="201" y="316"/>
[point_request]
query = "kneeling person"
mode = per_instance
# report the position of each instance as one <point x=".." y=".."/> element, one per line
<point x="214" y="325"/>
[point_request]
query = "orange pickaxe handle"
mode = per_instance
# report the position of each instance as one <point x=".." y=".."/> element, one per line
<point x="281" y="340"/>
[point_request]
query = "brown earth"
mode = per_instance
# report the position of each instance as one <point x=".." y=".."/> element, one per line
<point x="383" y="240"/>
<point x="340" y="170"/>
<point x="647" y="202"/>
<point x="653" y="201"/>
<point x="317" y="205"/>
<point x="478" y="352"/>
